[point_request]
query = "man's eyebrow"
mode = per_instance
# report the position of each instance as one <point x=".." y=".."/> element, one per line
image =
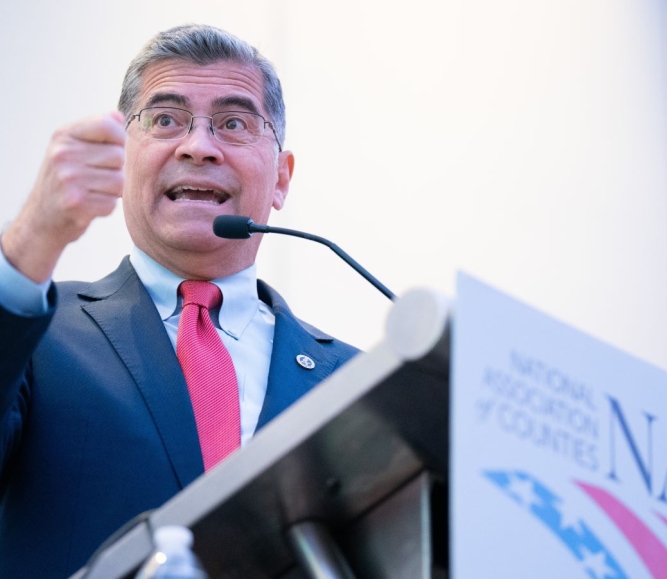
<point x="167" y="97"/>
<point x="235" y="101"/>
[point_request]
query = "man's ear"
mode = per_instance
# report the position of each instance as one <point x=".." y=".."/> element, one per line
<point x="284" y="176"/>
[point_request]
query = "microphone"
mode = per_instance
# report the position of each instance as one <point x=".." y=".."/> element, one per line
<point x="241" y="227"/>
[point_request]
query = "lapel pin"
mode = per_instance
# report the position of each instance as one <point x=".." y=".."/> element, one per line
<point x="305" y="362"/>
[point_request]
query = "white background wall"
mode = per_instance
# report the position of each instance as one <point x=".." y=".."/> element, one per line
<point x="523" y="142"/>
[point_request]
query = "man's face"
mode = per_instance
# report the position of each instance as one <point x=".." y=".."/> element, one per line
<point x="175" y="188"/>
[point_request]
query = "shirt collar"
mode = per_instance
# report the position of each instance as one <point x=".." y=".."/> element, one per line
<point x="239" y="291"/>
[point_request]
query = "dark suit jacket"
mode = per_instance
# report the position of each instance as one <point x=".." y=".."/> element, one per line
<point x="96" y="422"/>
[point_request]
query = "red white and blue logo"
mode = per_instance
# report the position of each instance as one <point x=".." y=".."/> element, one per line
<point x="585" y="543"/>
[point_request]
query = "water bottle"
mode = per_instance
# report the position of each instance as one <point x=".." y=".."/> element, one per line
<point x="173" y="557"/>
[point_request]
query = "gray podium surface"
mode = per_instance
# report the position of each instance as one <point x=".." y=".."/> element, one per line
<point x="355" y="459"/>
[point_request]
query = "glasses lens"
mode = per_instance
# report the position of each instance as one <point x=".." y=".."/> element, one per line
<point x="165" y="122"/>
<point x="238" y="128"/>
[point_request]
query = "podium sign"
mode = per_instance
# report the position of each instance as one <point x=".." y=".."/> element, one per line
<point x="558" y="463"/>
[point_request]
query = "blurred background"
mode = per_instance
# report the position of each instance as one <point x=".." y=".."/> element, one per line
<point x="522" y="142"/>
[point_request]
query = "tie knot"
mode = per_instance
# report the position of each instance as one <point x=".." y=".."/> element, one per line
<point x="201" y="293"/>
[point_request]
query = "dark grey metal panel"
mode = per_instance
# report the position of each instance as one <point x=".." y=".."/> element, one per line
<point x="332" y="457"/>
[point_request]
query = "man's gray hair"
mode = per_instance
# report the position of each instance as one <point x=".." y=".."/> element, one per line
<point x="201" y="44"/>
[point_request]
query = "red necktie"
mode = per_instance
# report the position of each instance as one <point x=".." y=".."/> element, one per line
<point x="209" y="373"/>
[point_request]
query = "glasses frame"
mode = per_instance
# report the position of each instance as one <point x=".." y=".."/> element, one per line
<point x="210" y="125"/>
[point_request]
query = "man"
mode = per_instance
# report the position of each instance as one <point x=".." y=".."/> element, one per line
<point x="97" y="419"/>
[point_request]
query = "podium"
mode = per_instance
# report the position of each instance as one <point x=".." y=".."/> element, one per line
<point x="350" y="481"/>
<point x="543" y="466"/>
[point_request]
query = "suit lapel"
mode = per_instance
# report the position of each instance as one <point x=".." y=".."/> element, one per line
<point x="122" y="308"/>
<point x="288" y="380"/>
<point x="125" y="312"/>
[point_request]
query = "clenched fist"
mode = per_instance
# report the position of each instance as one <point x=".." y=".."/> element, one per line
<point x="81" y="178"/>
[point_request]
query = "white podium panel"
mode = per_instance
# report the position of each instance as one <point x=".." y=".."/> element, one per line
<point x="558" y="456"/>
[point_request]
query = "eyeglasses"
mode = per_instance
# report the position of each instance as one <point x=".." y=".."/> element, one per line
<point x="231" y="127"/>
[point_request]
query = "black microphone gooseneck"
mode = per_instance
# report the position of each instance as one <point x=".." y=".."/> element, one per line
<point x="241" y="227"/>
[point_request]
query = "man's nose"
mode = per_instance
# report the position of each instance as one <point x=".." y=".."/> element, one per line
<point x="200" y="144"/>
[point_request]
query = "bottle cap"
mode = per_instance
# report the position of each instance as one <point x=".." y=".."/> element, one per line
<point x="172" y="536"/>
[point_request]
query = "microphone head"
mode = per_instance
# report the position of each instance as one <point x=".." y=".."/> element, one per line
<point x="232" y="226"/>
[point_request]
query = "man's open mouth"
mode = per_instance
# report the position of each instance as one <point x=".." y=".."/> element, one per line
<point x="188" y="193"/>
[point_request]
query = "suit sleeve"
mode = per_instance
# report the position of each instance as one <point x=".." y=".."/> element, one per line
<point x="19" y="336"/>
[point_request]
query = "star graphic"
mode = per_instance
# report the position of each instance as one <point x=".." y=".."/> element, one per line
<point x="523" y="489"/>
<point x="596" y="562"/>
<point x="569" y="519"/>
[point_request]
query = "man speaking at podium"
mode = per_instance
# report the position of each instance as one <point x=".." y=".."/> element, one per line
<point x="115" y="395"/>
